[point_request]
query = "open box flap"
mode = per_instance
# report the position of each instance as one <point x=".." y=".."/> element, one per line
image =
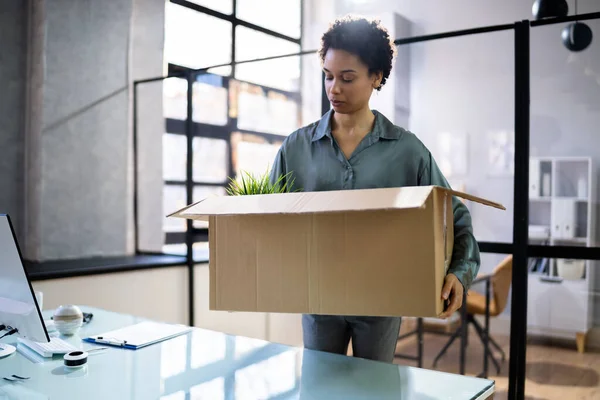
<point x="178" y="212"/>
<point x="474" y="198"/>
<point x="310" y="202"/>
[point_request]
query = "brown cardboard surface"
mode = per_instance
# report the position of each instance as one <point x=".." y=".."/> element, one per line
<point x="309" y="202"/>
<point x="355" y="252"/>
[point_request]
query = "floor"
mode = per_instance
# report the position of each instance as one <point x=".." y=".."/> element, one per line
<point x="554" y="370"/>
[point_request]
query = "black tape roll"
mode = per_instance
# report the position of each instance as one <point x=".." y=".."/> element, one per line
<point x="75" y="359"/>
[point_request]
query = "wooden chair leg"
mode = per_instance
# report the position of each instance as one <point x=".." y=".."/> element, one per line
<point x="581" y="338"/>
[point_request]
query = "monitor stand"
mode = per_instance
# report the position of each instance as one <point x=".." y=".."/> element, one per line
<point x="6" y="350"/>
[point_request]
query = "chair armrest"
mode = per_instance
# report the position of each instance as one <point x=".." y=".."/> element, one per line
<point x="482" y="278"/>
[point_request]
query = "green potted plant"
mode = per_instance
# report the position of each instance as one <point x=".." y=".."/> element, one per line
<point x="249" y="184"/>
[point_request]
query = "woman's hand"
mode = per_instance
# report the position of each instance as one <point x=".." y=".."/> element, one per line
<point x="452" y="290"/>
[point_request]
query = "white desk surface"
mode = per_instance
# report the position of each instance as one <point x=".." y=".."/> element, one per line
<point x="204" y="364"/>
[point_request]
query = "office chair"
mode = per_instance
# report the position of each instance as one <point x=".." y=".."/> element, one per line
<point x="498" y="282"/>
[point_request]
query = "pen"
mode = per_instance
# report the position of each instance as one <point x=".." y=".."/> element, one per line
<point x="111" y="342"/>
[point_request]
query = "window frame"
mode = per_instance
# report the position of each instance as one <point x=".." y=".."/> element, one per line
<point x="223" y="132"/>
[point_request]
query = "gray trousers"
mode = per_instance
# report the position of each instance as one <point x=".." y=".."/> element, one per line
<point x="373" y="338"/>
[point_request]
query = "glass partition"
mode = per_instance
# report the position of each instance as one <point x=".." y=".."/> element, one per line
<point x="457" y="96"/>
<point x="563" y="307"/>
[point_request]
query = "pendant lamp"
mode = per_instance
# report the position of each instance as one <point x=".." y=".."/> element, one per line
<point x="550" y="8"/>
<point x="577" y="36"/>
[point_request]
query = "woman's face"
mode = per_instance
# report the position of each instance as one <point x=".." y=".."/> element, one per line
<point x="347" y="81"/>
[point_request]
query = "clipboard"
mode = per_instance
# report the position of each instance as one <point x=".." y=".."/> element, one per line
<point x="139" y="335"/>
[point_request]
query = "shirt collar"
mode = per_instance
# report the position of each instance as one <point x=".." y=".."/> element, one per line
<point x="383" y="127"/>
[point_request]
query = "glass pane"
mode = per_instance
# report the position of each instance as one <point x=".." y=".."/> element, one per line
<point x="281" y="73"/>
<point x="174" y="157"/>
<point x="252" y="153"/>
<point x="267" y="379"/>
<point x="311" y="88"/>
<point x="173" y="200"/>
<point x="471" y="110"/>
<point x="562" y="315"/>
<point x="213" y="389"/>
<point x="245" y="345"/>
<point x="179" y="395"/>
<point x="223" y="6"/>
<point x="261" y="12"/>
<point x="202" y="192"/>
<point x="565" y="93"/>
<point x="210" y="160"/>
<point x="203" y="354"/>
<point x="475" y="151"/>
<point x="186" y="34"/>
<point x="173" y="357"/>
<point x="261" y="110"/>
<point x="563" y="302"/>
<point x="175" y="98"/>
<point x="210" y="100"/>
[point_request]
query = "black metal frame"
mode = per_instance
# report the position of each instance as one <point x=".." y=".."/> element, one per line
<point x="419" y="331"/>
<point x="191" y="128"/>
<point x="483" y="333"/>
<point x="518" y="312"/>
<point x="520" y="248"/>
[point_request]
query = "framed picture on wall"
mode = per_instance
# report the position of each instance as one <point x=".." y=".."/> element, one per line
<point x="501" y="153"/>
<point x="452" y="153"/>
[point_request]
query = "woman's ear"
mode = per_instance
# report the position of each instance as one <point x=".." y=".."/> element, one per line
<point x="377" y="78"/>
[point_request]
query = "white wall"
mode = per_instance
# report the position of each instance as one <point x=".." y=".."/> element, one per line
<point x="159" y="294"/>
<point x="162" y="294"/>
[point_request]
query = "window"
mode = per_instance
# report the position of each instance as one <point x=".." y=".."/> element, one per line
<point x="260" y="12"/>
<point x="261" y="110"/>
<point x="240" y="114"/>
<point x="196" y="40"/>
<point x="283" y="73"/>
<point x="252" y="153"/>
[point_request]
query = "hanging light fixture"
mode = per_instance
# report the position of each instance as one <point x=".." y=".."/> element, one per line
<point x="577" y="36"/>
<point x="550" y="8"/>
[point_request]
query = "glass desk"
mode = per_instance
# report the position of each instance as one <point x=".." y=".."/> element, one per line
<point x="204" y="364"/>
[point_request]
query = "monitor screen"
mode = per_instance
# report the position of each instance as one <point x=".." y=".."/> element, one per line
<point x="18" y="305"/>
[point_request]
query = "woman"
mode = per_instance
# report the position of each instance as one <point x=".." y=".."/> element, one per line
<point x="354" y="147"/>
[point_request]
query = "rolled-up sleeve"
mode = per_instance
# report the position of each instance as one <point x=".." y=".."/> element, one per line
<point x="466" y="258"/>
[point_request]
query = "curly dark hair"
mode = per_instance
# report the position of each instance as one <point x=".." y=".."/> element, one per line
<point x="366" y="38"/>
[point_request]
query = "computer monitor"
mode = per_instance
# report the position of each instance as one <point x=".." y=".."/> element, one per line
<point x="18" y="306"/>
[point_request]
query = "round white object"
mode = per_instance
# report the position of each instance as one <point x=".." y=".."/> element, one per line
<point x="6" y="350"/>
<point x="68" y="319"/>
<point x="75" y="359"/>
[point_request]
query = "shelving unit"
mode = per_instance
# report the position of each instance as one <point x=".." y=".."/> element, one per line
<point x="561" y="212"/>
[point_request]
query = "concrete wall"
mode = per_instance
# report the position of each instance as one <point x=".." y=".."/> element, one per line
<point x="66" y="125"/>
<point x="13" y="56"/>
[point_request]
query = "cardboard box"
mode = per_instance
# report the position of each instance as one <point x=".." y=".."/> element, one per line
<point x="375" y="252"/>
